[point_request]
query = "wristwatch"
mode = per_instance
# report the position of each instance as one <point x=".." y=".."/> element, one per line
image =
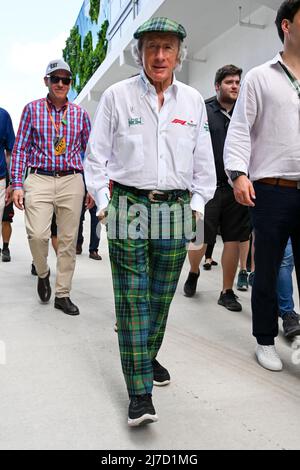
<point x="235" y="174"/>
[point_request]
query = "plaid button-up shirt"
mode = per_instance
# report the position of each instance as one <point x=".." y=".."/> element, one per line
<point x="34" y="146"/>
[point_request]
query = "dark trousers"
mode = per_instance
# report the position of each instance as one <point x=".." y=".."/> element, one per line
<point x="275" y="217"/>
<point x="94" y="239"/>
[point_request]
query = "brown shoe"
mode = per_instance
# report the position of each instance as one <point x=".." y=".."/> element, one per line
<point x="95" y="255"/>
<point x="78" y="249"/>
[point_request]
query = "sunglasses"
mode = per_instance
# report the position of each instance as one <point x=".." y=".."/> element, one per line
<point x="56" y="79"/>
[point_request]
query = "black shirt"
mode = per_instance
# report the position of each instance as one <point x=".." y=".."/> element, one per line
<point x="218" y="125"/>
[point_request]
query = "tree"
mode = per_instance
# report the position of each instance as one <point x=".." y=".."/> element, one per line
<point x="94" y="10"/>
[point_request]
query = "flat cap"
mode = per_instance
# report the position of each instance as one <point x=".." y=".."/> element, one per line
<point x="160" y="25"/>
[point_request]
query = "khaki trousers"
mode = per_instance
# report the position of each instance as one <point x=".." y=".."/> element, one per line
<point x="64" y="196"/>
<point x="2" y="202"/>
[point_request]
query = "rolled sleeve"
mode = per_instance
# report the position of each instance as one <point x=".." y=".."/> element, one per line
<point x="237" y="150"/>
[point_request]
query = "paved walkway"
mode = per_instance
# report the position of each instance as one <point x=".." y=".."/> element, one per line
<point x="62" y="386"/>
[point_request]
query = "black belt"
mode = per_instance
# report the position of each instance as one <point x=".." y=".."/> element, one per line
<point x="2" y="177"/>
<point x="154" y="195"/>
<point x="39" y="171"/>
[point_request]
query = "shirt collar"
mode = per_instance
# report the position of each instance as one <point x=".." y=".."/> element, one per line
<point x="217" y="107"/>
<point x="148" y="87"/>
<point x="48" y="99"/>
<point x="277" y="58"/>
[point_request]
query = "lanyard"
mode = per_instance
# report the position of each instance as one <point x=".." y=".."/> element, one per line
<point x="292" y="78"/>
<point x="63" y="119"/>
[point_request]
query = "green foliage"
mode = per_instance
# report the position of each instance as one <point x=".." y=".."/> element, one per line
<point x="72" y="51"/>
<point x="100" y="51"/>
<point x="94" y="10"/>
<point x="84" y="62"/>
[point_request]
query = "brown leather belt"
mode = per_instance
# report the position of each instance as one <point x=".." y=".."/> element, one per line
<point x="2" y="177"/>
<point x="280" y="182"/>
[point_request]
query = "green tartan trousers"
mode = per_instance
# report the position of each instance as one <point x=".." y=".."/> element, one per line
<point x="145" y="272"/>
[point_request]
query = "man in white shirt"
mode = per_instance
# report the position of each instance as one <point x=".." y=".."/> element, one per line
<point x="150" y="136"/>
<point x="263" y="141"/>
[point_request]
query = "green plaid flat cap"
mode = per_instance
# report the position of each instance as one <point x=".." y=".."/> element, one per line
<point x="162" y="25"/>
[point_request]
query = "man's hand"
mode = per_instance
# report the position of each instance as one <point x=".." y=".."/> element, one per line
<point x="18" y="198"/>
<point x="198" y="216"/>
<point x="243" y="191"/>
<point x="102" y="215"/>
<point x="8" y="195"/>
<point x="89" y="201"/>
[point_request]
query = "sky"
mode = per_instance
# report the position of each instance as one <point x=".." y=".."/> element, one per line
<point x="32" y="33"/>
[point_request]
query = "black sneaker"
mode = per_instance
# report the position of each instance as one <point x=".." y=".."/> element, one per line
<point x="290" y="324"/>
<point x="141" y="410"/>
<point x="161" y="376"/>
<point x="242" y="282"/>
<point x="6" y="255"/>
<point x="228" y="300"/>
<point x="191" y="284"/>
<point x="207" y="266"/>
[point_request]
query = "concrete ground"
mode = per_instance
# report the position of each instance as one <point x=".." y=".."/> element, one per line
<point x="62" y="386"/>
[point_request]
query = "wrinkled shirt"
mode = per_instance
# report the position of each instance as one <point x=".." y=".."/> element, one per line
<point x="136" y="144"/>
<point x="263" y="138"/>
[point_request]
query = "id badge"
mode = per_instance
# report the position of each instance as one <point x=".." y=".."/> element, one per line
<point x="60" y="146"/>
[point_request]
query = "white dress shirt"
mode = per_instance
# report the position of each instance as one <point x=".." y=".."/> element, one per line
<point x="263" y="138"/>
<point x="136" y="144"/>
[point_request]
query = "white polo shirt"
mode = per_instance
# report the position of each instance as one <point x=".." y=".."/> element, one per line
<point x="263" y="138"/>
<point x="136" y="144"/>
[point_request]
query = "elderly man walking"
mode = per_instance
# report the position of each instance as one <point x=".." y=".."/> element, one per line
<point x="51" y="139"/>
<point x="150" y="136"/>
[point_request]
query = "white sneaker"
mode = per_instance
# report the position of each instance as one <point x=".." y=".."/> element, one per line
<point x="268" y="358"/>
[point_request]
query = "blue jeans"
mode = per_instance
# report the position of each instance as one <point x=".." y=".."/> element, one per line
<point x="285" y="282"/>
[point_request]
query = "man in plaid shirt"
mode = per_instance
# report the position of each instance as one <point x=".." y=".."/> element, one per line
<point x="50" y="142"/>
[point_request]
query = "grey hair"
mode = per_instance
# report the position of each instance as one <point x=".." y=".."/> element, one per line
<point x="137" y="47"/>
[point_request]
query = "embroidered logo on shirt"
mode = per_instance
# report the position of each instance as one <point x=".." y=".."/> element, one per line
<point x="206" y="126"/>
<point x="135" y="121"/>
<point x="179" y="121"/>
<point x="184" y="123"/>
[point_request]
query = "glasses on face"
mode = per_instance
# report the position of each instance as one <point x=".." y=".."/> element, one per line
<point x="56" y="79"/>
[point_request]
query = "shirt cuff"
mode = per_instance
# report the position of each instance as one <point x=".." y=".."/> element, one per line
<point x="102" y="198"/>
<point x="198" y="204"/>
<point x="17" y="185"/>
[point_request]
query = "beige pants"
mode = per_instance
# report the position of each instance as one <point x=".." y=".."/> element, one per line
<point x="64" y="196"/>
<point x="2" y="202"/>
